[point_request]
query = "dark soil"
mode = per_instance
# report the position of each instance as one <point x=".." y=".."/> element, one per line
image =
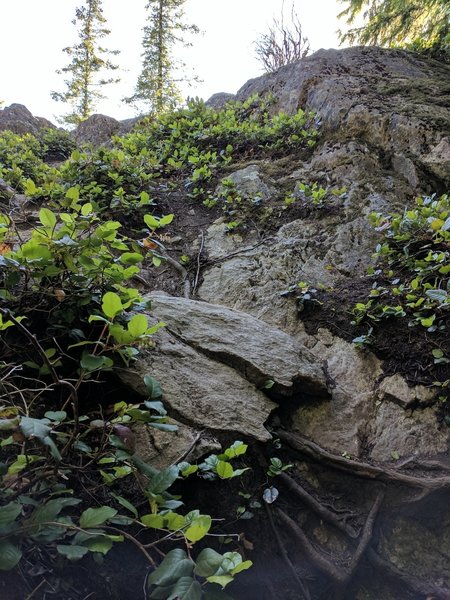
<point x="403" y="349"/>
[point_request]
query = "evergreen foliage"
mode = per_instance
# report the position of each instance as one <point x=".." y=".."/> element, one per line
<point x="424" y="24"/>
<point x="88" y="61"/>
<point x="157" y="85"/>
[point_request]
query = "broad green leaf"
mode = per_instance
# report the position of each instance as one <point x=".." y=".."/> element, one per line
<point x="222" y="580"/>
<point x="162" y="481"/>
<point x="30" y="187"/>
<point x="174" y="566"/>
<point x="236" y="449"/>
<point x="174" y="521"/>
<point x="123" y="502"/>
<point x="34" y="250"/>
<point x="157" y="406"/>
<point x="208" y="562"/>
<point x="21" y="462"/>
<point x="166" y="220"/>
<point x="437" y="295"/>
<point x="90" y="363"/>
<point x="198" y="529"/>
<point x="428" y="322"/>
<point x="243" y="566"/>
<point x="99" y="543"/>
<point x="47" y="218"/>
<point x="151" y="222"/>
<point x="58" y="415"/>
<point x="10" y="555"/>
<point x="270" y="495"/>
<point x="86" y="209"/>
<point x="138" y="325"/>
<point x="230" y="561"/>
<point x="9" y="513"/>
<point x="164" y="426"/>
<point x="6" y="424"/>
<point x="93" y="517"/>
<point x="131" y="258"/>
<point x="72" y="552"/>
<point x="73" y="193"/>
<point x="153" y="387"/>
<point x="153" y="521"/>
<point x="37" y="428"/>
<point x="186" y="588"/>
<point x="161" y="593"/>
<point x="224" y="470"/>
<point x="111" y="305"/>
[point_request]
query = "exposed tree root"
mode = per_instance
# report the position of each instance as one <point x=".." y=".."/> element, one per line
<point x="341" y="575"/>
<point x="183" y="272"/>
<point x="360" y="469"/>
<point x="319" y="561"/>
<point x="301" y="585"/>
<point x="430" y="591"/>
<point x="324" y="513"/>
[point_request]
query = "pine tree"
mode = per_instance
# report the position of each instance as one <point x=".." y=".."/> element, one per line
<point x="157" y="85"/>
<point x="423" y="23"/>
<point x="89" y="61"/>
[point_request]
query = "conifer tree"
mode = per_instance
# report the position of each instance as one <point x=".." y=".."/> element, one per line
<point x="423" y="23"/>
<point x="89" y="61"/>
<point x="157" y="85"/>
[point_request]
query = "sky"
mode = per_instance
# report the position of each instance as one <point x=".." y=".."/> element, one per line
<point x="33" y="34"/>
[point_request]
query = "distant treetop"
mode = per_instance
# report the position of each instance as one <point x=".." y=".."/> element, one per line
<point x="420" y="24"/>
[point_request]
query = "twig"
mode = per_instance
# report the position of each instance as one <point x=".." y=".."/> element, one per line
<point x="183" y="272"/>
<point x="56" y="380"/>
<point x="357" y="468"/>
<point x="199" y="265"/>
<point x="237" y="253"/>
<point x="189" y="450"/>
<point x="36" y="589"/>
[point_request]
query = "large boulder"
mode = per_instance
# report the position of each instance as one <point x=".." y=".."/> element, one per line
<point x="18" y="119"/>
<point x="96" y="129"/>
<point x="99" y="129"/>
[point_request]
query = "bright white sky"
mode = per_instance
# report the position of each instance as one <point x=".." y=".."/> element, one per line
<point x="33" y="34"/>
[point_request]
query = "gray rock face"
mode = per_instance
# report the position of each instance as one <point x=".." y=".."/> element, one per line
<point x="219" y="100"/>
<point x="200" y="391"/>
<point x="96" y="130"/>
<point x="258" y="351"/>
<point x="385" y="125"/>
<point x="249" y="183"/>
<point x="18" y="119"/>
<point x="388" y="98"/>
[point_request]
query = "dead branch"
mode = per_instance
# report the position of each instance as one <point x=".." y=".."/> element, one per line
<point x="282" y="44"/>
<point x="360" y="469"/>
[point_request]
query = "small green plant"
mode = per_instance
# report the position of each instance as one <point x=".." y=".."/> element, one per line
<point x="413" y="266"/>
<point x="317" y="195"/>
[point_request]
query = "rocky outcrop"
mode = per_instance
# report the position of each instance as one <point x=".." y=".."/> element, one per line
<point x="218" y="367"/>
<point x="18" y="119"/>
<point x="389" y="99"/>
<point x="96" y="130"/>
<point x="99" y="129"/>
